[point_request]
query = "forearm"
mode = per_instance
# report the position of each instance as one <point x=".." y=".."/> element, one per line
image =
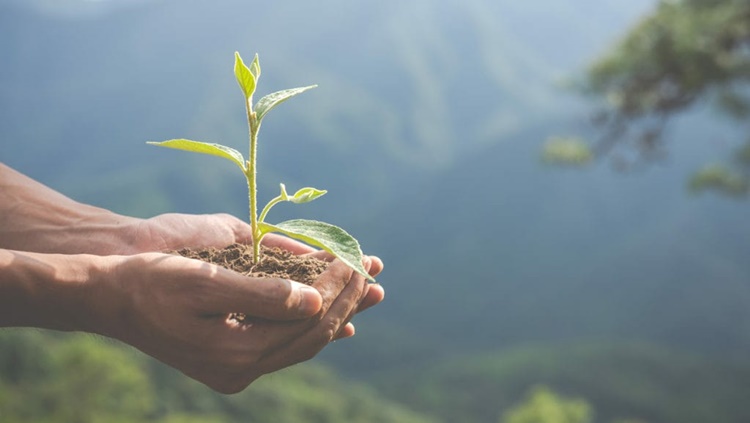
<point x="36" y="218"/>
<point x="51" y="291"/>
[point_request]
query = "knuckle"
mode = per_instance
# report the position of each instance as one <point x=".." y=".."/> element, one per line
<point x="283" y="293"/>
<point x="275" y="293"/>
<point x="329" y="330"/>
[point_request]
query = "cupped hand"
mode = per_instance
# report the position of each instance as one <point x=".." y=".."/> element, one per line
<point x="177" y="310"/>
<point x="173" y="231"/>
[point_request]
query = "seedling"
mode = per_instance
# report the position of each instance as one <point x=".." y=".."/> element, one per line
<point x="326" y="236"/>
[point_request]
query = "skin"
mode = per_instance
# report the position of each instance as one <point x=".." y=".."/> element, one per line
<point x="74" y="267"/>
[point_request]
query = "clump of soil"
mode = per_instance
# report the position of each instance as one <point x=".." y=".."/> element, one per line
<point x="274" y="262"/>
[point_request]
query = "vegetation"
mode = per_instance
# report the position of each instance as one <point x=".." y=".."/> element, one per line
<point x="686" y="52"/>
<point x="571" y="151"/>
<point x="620" y="382"/>
<point x="545" y="406"/>
<point x="720" y="178"/>
<point x="49" y="378"/>
<point x="329" y="237"/>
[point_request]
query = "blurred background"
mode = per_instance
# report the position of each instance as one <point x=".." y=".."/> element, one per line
<point x="558" y="190"/>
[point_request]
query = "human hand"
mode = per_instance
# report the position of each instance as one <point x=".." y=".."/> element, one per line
<point x="176" y="310"/>
<point x="173" y="231"/>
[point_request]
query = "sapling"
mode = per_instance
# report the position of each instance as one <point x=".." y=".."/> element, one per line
<point x="326" y="236"/>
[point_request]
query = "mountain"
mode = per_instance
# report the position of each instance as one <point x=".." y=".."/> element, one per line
<point x="405" y="88"/>
<point x="502" y="251"/>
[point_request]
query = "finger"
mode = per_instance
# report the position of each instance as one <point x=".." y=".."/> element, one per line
<point x="341" y="311"/>
<point x="330" y="285"/>
<point x="321" y="255"/>
<point x="268" y="298"/>
<point x="376" y="266"/>
<point x="348" y="328"/>
<point x="332" y="282"/>
<point x="346" y="332"/>
<point x="375" y="294"/>
<point x="243" y="233"/>
<point x="308" y="344"/>
<point x="295" y="247"/>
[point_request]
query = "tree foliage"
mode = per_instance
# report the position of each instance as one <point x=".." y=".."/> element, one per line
<point x="622" y="382"/>
<point x="49" y="378"/>
<point x="543" y="405"/>
<point x="684" y="53"/>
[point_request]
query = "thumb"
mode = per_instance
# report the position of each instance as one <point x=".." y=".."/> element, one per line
<point x="267" y="298"/>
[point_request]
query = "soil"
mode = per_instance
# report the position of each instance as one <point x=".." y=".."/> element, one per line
<point x="274" y="262"/>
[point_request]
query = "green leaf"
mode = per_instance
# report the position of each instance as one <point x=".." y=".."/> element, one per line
<point x="305" y="195"/>
<point x="326" y="236"/>
<point x="284" y="196"/>
<point x="205" y="148"/>
<point x="255" y="68"/>
<point x="272" y="100"/>
<point x="245" y="77"/>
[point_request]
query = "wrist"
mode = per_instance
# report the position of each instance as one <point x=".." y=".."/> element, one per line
<point x="97" y="231"/>
<point x="51" y="291"/>
<point x="36" y="218"/>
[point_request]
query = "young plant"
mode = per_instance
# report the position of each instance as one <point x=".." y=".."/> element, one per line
<point x="326" y="236"/>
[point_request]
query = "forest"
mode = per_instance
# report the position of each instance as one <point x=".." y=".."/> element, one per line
<point x="558" y="190"/>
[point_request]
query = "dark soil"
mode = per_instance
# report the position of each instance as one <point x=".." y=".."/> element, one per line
<point x="274" y="262"/>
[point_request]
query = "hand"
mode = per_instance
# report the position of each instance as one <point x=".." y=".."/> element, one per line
<point x="177" y="309"/>
<point x="173" y="231"/>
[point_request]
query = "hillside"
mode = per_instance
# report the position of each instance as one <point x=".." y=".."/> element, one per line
<point x="502" y="250"/>
<point x="622" y="382"/>
<point x="82" y="92"/>
<point x="80" y="378"/>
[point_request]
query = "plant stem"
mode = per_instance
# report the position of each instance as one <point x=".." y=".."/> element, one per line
<point x="268" y="206"/>
<point x="251" y="179"/>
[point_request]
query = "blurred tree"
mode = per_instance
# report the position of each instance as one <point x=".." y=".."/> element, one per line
<point x="684" y="53"/>
<point x="566" y="151"/>
<point x="74" y="379"/>
<point x="97" y="382"/>
<point x="720" y="178"/>
<point x="49" y="377"/>
<point x="542" y="405"/>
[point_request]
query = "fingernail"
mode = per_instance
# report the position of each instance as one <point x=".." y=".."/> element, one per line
<point x="309" y="300"/>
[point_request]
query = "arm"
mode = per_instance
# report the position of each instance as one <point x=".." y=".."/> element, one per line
<point x="34" y="217"/>
<point x="176" y="309"/>
<point x="172" y="308"/>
